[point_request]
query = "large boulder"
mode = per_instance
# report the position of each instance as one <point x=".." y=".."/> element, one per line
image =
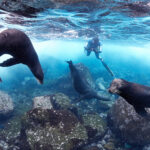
<point x="56" y="101"/>
<point x="57" y="125"/>
<point x="128" y="125"/>
<point x="43" y="102"/>
<point x="6" y="105"/>
<point x="61" y="101"/>
<point x="95" y="125"/>
<point x="52" y="129"/>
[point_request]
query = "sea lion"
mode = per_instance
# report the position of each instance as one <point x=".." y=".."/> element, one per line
<point x="135" y="94"/>
<point x="85" y="90"/>
<point x="17" y="44"/>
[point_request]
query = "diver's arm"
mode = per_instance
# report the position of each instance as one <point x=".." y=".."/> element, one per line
<point x="100" y="49"/>
<point x="87" y="47"/>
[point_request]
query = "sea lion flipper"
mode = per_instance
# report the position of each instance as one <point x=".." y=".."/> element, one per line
<point x="9" y="62"/>
<point x="103" y="98"/>
<point x="140" y="110"/>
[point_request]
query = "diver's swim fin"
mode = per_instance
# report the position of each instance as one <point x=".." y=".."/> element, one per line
<point x="108" y="69"/>
<point x="69" y="62"/>
<point x="9" y="62"/>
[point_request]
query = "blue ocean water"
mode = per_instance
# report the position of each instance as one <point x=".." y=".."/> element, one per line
<point x="54" y="32"/>
<point x="59" y="35"/>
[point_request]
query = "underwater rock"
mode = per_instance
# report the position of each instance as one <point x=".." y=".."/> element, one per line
<point x="146" y="147"/>
<point x="60" y="101"/>
<point x="3" y="145"/>
<point x="80" y="5"/>
<point x="6" y="105"/>
<point x="60" y="129"/>
<point x="52" y="129"/>
<point x="101" y="106"/>
<point x="27" y="8"/>
<point x="109" y="146"/>
<point x="43" y="102"/>
<point x="101" y="84"/>
<point x="92" y="148"/>
<point x="74" y="1"/>
<point x="56" y="101"/>
<point x="92" y="106"/>
<point x="128" y="125"/>
<point x="95" y="126"/>
<point x="9" y="135"/>
<point x="139" y="9"/>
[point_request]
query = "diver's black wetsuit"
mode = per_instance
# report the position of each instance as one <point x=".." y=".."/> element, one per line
<point x="93" y="45"/>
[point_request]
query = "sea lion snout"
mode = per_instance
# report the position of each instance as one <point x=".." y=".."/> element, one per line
<point x="39" y="76"/>
<point x="112" y="90"/>
<point x="38" y="73"/>
<point x="39" y="81"/>
<point x="109" y="90"/>
<point x="115" y="85"/>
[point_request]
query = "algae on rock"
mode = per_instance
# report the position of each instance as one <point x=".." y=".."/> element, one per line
<point x="58" y="128"/>
<point x="94" y="124"/>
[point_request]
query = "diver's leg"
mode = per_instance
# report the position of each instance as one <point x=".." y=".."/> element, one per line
<point x="9" y="62"/>
<point x="97" y="55"/>
<point x="88" y="53"/>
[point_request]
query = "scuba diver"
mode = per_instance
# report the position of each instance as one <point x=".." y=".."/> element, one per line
<point x="95" y="46"/>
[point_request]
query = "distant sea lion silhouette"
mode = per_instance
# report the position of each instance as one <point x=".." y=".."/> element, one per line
<point x="17" y="44"/>
<point x="135" y="94"/>
<point x="82" y="87"/>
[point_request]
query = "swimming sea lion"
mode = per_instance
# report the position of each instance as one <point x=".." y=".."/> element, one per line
<point x="17" y="44"/>
<point x="135" y="94"/>
<point x="81" y="86"/>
